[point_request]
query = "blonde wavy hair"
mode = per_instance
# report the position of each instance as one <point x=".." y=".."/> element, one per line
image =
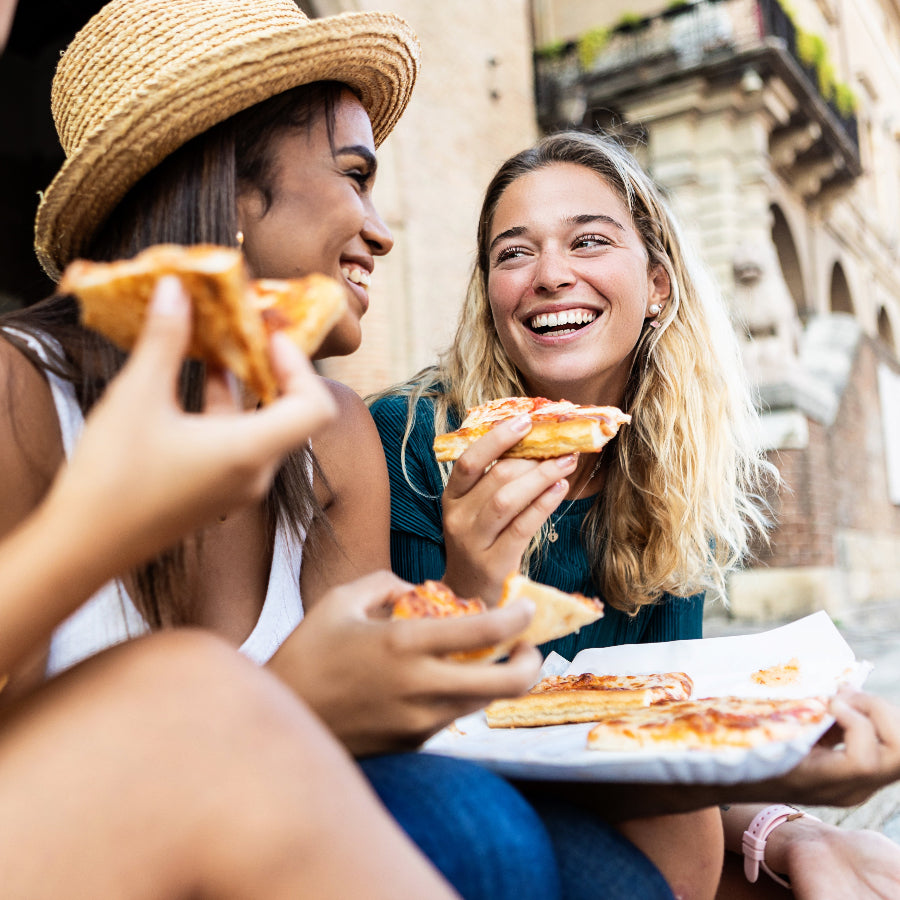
<point x="684" y="498"/>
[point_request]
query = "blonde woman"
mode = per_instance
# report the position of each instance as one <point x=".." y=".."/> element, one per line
<point x="584" y="290"/>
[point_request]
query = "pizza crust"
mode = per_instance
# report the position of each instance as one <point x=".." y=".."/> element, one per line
<point x="556" y="612"/>
<point x="565" y="699"/>
<point x="305" y="309"/>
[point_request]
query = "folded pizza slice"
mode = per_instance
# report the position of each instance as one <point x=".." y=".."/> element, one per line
<point x="557" y="428"/>
<point x="712" y="723"/>
<point x="556" y="613"/>
<point x="565" y="699"/>
<point x="232" y="316"/>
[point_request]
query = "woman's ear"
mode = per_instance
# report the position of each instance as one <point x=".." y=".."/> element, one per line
<point x="659" y="287"/>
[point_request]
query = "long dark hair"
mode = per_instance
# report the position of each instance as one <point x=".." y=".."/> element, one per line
<point x="189" y="198"/>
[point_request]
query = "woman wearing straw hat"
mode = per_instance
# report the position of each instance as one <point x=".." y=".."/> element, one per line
<point x="207" y="791"/>
<point x="198" y="121"/>
<point x="220" y="769"/>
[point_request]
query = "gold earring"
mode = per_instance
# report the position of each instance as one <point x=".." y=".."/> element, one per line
<point x="655" y="309"/>
<point x="239" y="237"/>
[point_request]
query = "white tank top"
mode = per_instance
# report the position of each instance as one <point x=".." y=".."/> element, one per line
<point x="110" y="617"/>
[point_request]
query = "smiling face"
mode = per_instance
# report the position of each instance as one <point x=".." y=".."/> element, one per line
<point x="321" y="217"/>
<point x="568" y="283"/>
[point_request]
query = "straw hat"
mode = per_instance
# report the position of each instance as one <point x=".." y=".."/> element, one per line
<point x="145" y="76"/>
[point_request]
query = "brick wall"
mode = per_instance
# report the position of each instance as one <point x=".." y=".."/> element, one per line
<point x="837" y="484"/>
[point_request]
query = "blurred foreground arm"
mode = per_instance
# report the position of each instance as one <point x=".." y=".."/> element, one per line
<point x="146" y="473"/>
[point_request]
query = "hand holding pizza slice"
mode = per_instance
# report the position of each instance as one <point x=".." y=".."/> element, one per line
<point x="233" y="315"/>
<point x="556" y="612"/>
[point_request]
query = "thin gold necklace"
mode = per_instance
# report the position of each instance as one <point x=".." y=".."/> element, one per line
<point x="552" y="533"/>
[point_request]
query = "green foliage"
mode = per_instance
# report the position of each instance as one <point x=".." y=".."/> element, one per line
<point x="811" y="48"/>
<point x="591" y="44"/>
<point x="628" y="20"/>
<point x="813" y="52"/>
<point x="553" y="50"/>
<point x="845" y="99"/>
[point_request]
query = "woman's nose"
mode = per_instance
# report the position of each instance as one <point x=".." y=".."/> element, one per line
<point x="376" y="234"/>
<point x="552" y="274"/>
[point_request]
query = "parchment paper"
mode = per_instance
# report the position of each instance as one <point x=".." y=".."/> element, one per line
<point x="718" y="666"/>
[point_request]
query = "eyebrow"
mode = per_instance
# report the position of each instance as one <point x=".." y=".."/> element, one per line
<point x="363" y="152"/>
<point x="581" y="219"/>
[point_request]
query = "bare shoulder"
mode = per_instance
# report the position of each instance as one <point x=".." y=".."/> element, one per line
<point x="355" y="495"/>
<point x="349" y="447"/>
<point x="30" y="442"/>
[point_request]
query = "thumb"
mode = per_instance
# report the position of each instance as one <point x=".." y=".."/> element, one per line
<point x="166" y="331"/>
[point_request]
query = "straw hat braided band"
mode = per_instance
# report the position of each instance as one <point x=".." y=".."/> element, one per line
<point x="143" y="77"/>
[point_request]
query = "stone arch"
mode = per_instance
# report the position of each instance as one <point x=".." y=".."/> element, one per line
<point x="839" y="296"/>
<point x="789" y="260"/>
<point x="886" y="330"/>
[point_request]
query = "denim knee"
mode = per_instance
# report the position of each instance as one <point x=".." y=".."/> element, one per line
<point x="473" y="825"/>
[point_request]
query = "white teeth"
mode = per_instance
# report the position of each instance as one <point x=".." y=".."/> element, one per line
<point x="566" y="317"/>
<point x="357" y="276"/>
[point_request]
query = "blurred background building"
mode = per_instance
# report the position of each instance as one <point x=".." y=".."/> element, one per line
<point x="773" y="126"/>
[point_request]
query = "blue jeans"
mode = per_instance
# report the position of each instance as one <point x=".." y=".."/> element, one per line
<point x="491" y="844"/>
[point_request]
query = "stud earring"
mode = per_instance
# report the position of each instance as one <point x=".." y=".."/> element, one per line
<point x="239" y="237"/>
<point x="655" y="309"/>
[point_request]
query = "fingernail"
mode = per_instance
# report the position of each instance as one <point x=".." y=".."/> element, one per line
<point x="521" y="423"/>
<point x="528" y="605"/>
<point x="169" y="297"/>
<point x="566" y="462"/>
<point x="559" y="486"/>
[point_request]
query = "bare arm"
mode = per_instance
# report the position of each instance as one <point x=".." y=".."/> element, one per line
<point x="821" y="860"/>
<point x="30" y="454"/>
<point x="144" y="474"/>
<point x="356" y="497"/>
<point x="384" y="685"/>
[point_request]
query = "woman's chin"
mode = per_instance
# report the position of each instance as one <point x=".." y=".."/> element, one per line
<point x="338" y="344"/>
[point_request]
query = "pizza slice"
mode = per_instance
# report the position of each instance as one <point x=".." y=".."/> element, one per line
<point x="558" y="427"/>
<point x="232" y="316"/>
<point x="305" y="309"/>
<point x="564" y="699"/>
<point x="713" y="723"/>
<point x="556" y="613"/>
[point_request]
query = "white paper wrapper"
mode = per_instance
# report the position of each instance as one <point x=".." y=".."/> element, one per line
<point x="718" y="666"/>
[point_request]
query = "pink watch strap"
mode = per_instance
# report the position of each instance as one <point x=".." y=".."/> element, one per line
<point x="754" y="840"/>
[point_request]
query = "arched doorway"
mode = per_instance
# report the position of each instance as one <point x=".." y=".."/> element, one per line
<point x="789" y="260"/>
<point x="840" y="299"/>
<point x="886" y="331"/>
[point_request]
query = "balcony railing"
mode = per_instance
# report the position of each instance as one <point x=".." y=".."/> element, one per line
<point x="711" y="36"/>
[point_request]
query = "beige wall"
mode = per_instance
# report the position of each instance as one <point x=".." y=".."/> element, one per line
<point x="472" y="107"/>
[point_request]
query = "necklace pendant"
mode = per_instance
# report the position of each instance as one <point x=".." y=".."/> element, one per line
<point x="552" y="536"/>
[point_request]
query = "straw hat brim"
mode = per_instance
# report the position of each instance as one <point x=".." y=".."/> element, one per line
<point x="375" y="54"/>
